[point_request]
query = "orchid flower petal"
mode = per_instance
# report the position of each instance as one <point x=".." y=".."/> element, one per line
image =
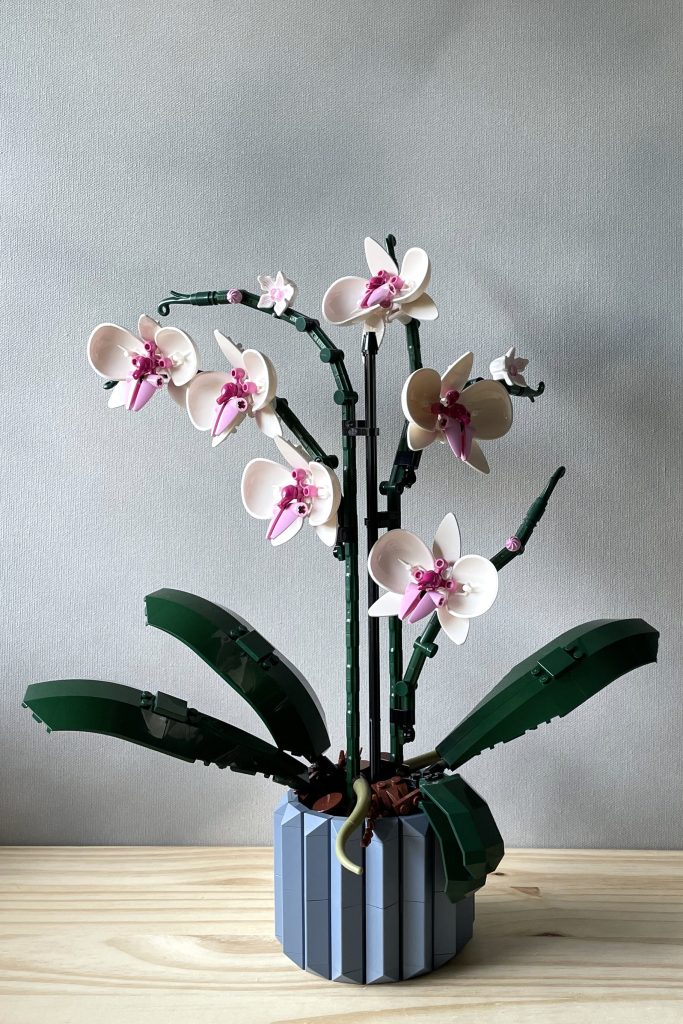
<point x="416" y="271"/>
<point x="447" y="539"/>
<point x="232" y="352"/>
<point x="201" y="395"/>
<point x="393" y="556"/>
<point x="265" y="301"/>
<point x="294" y="455"/>
<point x="148" y="328"/>
<point x="176" y="345"/>
<point x="266" y="281"/>
<point x="378" y="258"/>
<point x="489" y="405"/>
<point x="287" y="534"/>
<point x="325" y="506"/>
<point x="476" y="459"/>
<point x="179" y="394"/>
<point x="418" y="438"/>
<point x="109" y="349"/>
<point x="261" y="480"/>
<point x="421" y="308"/>
<point x="457" y="374"/>
<point x="261" y="371"/>
<point x="268" y="421"/>
<point x="327" y="531"/>
<point x="118" y="395"/>
<point x="479" y="575"/>
<point x="341" y="301"/>
<point x="420" y="392"/>
<point x="455" y="628"/>
<point x="388" y="604"/>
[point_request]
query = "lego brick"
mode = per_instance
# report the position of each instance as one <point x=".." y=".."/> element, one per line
<point x="417" y="842"/>
<point x="347" y="911"/>
<point x="444" y="929"/>
<point x="170" y="707"/>
<point x="316" y="840"/>
<point x="416" y="929"/>
<point x="417" y="888"/>
<point x="382" y="953"/>
<point x="277" y="863"/>
<point x="293" y="922"/>
<point x="464" y="922"/>
<point x="382" y="864"/>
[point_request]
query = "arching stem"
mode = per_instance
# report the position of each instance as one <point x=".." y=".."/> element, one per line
<point x="346" y="548"/>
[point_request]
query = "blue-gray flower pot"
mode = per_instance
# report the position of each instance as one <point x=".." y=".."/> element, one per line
<point x="391" y="923"/>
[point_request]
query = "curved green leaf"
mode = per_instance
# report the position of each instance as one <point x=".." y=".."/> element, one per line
<point x="552" y="682"/>
<point x="471" y="845"/>
<point x="276" y="690"/>
<point x="160" y="722"/>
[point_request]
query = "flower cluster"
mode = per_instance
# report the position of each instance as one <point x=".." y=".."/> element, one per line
<point x="450" y="408"/>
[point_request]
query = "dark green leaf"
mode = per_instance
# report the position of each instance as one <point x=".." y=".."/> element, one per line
<point x="551" y="683"/>
<point x="276" y="690"/>
<point x="160" y="722"/>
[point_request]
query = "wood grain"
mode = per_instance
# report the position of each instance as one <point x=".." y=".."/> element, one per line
<point x="98" y="935"/>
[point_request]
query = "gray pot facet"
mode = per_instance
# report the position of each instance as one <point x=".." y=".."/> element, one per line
<point x="391" y="923"/>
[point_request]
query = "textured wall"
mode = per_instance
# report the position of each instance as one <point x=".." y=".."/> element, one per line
<point x="534" y="149"/>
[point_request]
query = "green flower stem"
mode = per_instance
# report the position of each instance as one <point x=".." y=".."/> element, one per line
<point x="424" y="647"/>
<point x="306" y="440"/>
<point x="406" y="462"/>
<point x="347" y="547"/>
<point x="515" y="390"/>
<point x="530" y="522"/>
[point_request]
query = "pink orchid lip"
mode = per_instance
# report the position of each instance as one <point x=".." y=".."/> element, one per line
<point x="459" y="437"/>
<point x="455" y="421"/>
<point x="428" y="590"/>
<point x="232" y="401"/>
<point x="418" y="603"/>
<point x="284" y="515"/>
<point x="147" y="376"/>
<point x="226" y="413"/>
<point x="381" y="290"/>
<point x="140" y="390"/>
<point x="295" y="503"/>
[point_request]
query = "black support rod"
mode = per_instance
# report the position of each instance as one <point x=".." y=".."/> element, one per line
<point x="371" y="523"/>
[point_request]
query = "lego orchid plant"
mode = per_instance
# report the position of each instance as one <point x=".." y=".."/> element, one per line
<point x="436" y="583"/>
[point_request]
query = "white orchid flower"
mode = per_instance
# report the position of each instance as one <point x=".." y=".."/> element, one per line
<point x="389" y="294"/>
<point x="288" y="496"/>
<point x="161" y="356"/>
<point x="441" y="408"/>
<point x="509" y="368"/>
<point x="278" y="293"/>
<point x="419" y="581"/>
<point x="220" y="401"/>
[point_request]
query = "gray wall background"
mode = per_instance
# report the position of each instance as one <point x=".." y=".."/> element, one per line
<point x="534" y="149"/>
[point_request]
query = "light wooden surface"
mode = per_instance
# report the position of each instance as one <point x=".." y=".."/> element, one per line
<point x="147" y="935"/>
